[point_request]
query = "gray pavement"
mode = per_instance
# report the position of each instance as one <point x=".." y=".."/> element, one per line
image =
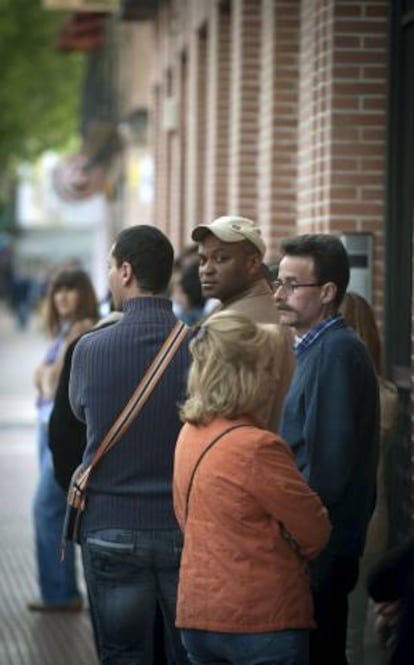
<point x="26" y="638"/>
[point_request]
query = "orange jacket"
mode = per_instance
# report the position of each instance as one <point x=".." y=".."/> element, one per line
<point x="239" y="572"/>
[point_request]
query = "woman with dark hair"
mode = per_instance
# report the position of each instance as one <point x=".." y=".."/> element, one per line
<point x="359" y="314"/>
<point x="70" y="310"/>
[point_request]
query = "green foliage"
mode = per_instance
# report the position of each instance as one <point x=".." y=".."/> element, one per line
<point x="39" y="86"/>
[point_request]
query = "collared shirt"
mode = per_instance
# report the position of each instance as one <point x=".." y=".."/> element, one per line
<point x="304" y="342"/>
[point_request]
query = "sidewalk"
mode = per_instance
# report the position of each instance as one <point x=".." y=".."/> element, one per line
<point x="26" y="638"/>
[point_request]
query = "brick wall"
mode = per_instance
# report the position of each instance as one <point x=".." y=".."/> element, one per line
<point x="342" y="121"/>
<point x="196" y="132"/>
<point x="314" y="164"/>
<point x="158" y="136"/>
<point x="218" y="120"/>
<point x="278" y="121"/>
<point x="158" y="146"/>
<point x="177" y="137"/>
<point x="358" y="133"/>
<point x="282" y="107"/>
<point x="180" y="48"/>
<point x="244" y="107"/>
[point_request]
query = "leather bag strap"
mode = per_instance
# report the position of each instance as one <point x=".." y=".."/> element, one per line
<point x="137" y="399"/>
<point x="197" y="464"/>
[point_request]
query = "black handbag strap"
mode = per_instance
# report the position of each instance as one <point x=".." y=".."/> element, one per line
<point x="203" y="454"/>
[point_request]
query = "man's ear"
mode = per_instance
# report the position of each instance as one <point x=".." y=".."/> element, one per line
<point x="328" y="293"/>
<point x="254" y="264"/>
<point x="126" y="273"/>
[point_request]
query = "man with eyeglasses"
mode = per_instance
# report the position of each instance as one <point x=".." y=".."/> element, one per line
<point x="330" y="420"/>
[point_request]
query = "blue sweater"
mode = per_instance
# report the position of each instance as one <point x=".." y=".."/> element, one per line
<point x="330" y="420"/>
<point x="131" y="486"/>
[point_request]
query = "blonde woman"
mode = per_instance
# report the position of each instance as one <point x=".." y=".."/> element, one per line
<point x="70" y="310"/>
<point x="250" y="521"/>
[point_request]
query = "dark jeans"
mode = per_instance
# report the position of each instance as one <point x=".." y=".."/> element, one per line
<point x="333" y="578"/>
<point x="127" y="573"/>
<point x="282" y="647"/>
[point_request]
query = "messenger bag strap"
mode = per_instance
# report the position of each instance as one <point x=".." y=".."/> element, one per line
<point x="138" y="399"/>
<point x="197" y="464"/>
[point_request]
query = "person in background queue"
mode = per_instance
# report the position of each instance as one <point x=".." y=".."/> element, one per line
<point x="359" y="314"/>
<point x="71" y="309"/>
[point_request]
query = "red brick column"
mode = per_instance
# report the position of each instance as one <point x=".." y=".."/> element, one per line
<point x="218" y="100"/>
<point x="159" y="147"/>
<point x="359" y="122"/>
<point x="195" y="157"/>
<point x="316" y="52"/>
<point x="244" y="107"/>
<point x="158" y="135"/>
<point x="342" y="120"/>
<point x="278" y="120"/>
<point x="177" y="173"/>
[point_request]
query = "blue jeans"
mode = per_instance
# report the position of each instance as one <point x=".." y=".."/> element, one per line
<point x="127" y="572"/>
<point x="282" y="647"/>
<point x="57" y="580"/>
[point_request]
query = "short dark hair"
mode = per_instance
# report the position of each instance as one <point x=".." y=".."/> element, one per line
<point x="331" y="263"/>
<point x="149" y="253"/>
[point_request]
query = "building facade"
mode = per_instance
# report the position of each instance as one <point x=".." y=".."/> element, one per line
<point x="298" y="114"/>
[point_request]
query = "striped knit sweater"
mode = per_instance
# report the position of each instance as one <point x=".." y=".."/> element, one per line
<point x="131" y="486"/>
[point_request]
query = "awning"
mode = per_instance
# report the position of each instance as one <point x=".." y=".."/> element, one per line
<point x="82" y="31"/>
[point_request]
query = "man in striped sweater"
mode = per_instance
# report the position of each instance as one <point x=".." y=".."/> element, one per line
<point x="130" y="540"/>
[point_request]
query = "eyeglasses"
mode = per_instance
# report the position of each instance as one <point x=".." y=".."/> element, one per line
<point x="290" y="287"/>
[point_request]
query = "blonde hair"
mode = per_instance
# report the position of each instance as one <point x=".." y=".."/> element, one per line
<point x="235" y="364"/>
<point x="359" y="314"/>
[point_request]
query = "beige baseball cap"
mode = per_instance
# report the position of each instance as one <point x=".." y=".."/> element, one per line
<point x="231" y="228"/>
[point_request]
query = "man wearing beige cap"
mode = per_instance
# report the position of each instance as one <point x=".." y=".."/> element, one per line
<point x="231" y="251"/>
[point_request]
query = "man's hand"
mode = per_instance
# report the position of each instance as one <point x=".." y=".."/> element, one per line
<point x="386" y="616"/>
